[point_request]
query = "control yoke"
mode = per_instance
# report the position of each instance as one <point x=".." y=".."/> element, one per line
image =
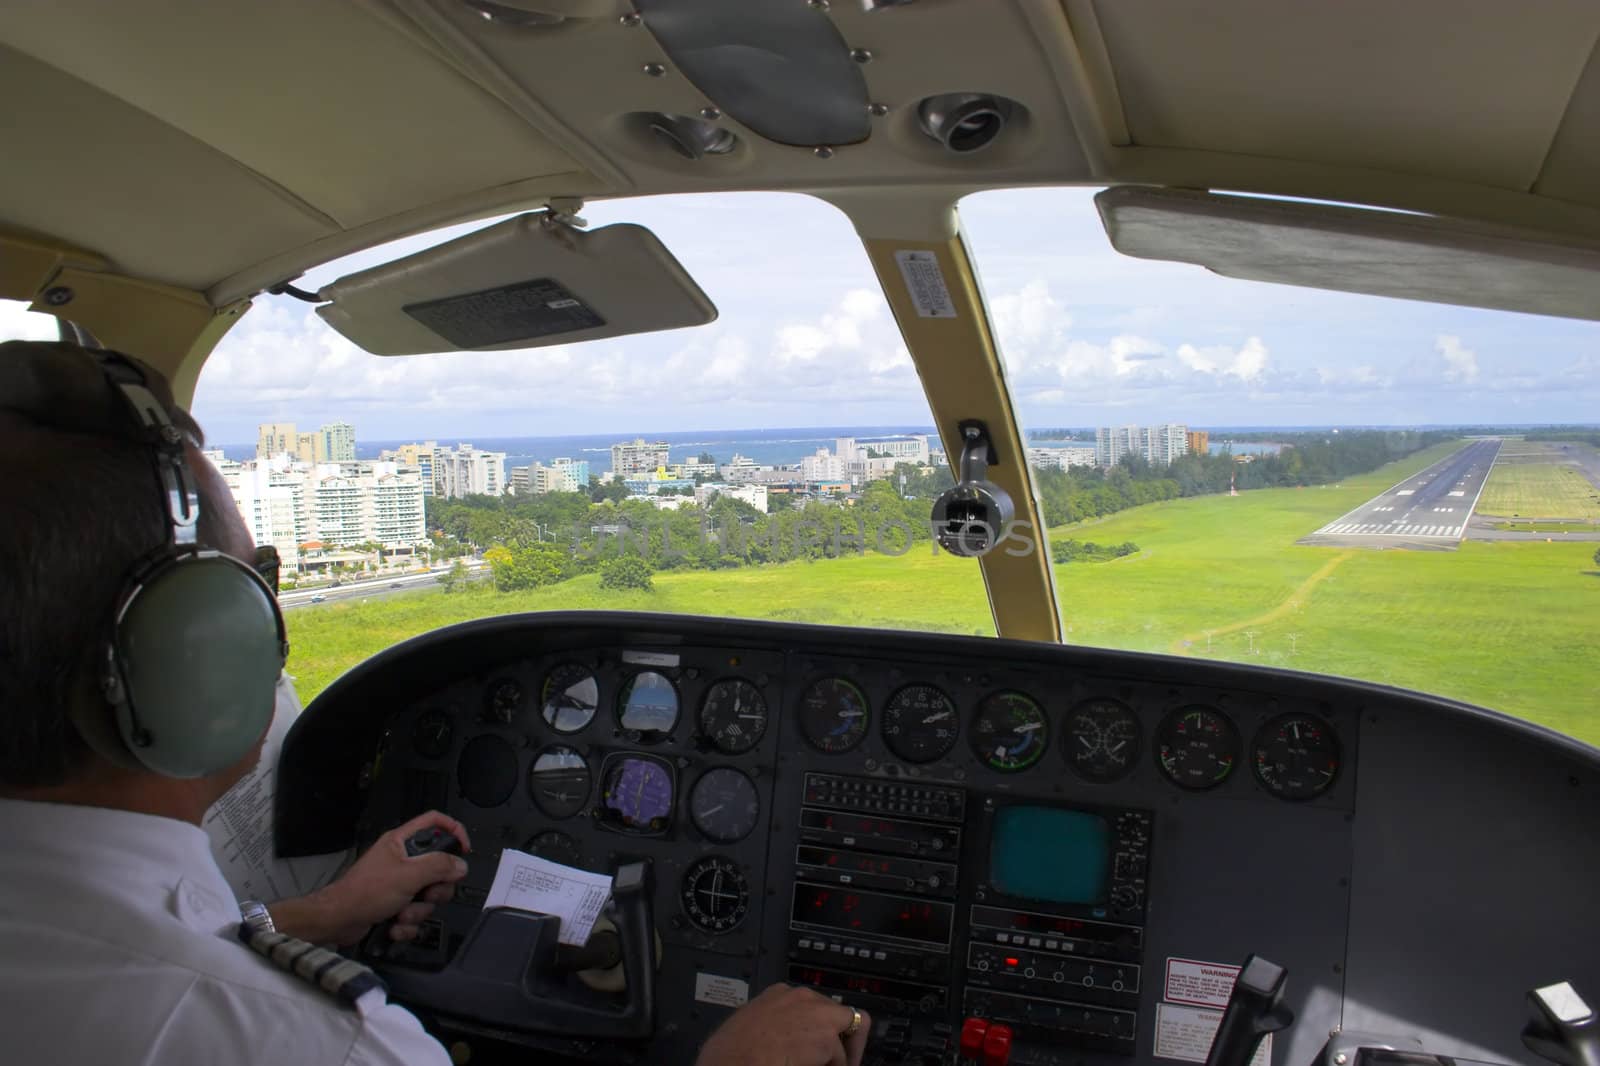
<point x="509" y="972"/>
<point x="1255" y="1008"/>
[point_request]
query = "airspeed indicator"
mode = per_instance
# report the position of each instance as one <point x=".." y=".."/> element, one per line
<point x="920" y="724"/>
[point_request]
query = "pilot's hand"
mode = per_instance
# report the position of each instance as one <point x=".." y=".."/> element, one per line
<point x="787" y="1026"/>
<point x="384" y="883"/>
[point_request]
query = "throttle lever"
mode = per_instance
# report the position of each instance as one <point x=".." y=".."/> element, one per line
<point x="1254" y="1010"/>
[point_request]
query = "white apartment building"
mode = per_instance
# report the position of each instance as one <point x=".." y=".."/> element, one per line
<point x="562" y="475"/>
<point x="287" y="504"/>
<point x="638" y="457"/>
<point x="466" y="471"/>
<point x="1061" y="458"/>
<point x="338" y="442"/>
<point x="824" y="466"/>
<point x="1159" y="445"/>
<point x="754" y="495"/>
<point x="903" y="449"/>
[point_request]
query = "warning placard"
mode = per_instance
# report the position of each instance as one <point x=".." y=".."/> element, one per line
<point x="925" y="284"/>
<point x="1200" y="984"/>
<point x="723" y="991"/>
<point x="1185" y="1033"/>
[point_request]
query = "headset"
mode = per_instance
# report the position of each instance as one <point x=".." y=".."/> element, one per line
<point x="196" y="642"/>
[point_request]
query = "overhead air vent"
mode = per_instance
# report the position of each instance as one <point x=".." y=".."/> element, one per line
<point x="691" y="138"/>
<point x="964" y="122"/>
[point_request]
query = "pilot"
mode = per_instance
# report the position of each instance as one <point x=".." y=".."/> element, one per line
<point x="121" y="618"/>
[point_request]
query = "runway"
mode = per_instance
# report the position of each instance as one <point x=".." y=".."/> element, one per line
<point x="1427" y="509"/>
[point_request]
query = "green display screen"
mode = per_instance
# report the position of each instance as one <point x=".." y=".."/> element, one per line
<point x="1050" y="854"/>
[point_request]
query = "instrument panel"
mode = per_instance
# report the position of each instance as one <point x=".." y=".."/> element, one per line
<point x="931" y="828"/>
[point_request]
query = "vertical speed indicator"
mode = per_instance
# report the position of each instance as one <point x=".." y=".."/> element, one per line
<point x="1197" y="747"/>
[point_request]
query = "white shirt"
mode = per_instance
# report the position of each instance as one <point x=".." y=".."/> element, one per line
<point x="117" y="946"/>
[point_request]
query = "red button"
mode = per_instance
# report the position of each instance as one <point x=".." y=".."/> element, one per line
<point x="972" y="1034"/>
<point x="997" y="1046"/>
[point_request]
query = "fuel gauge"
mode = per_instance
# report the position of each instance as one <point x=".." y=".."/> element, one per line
<point x="1102" y="739"/>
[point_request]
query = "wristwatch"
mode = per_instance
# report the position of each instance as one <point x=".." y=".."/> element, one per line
<point x="255" y="916"/>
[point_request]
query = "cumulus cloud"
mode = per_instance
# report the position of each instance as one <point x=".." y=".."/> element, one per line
<point x="1460" y="362"/>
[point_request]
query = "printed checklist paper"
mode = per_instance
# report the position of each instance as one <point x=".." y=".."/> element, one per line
<point x="530" y="883"/>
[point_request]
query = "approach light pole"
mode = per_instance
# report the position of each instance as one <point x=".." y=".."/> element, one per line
<point x="1250" y="635"/>
<point x="1293" y="638"/>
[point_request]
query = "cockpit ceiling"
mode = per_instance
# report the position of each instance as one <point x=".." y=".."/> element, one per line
<point x="225" y="146"/>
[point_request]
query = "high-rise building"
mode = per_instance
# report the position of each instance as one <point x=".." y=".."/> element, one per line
<point x="420" y="457"/>
<point x="276" y="438"/>
<point x="824" y="466"/>
<point x="1199" y="441"/>
<point x="309" y="448"/>
<point x="638" y="457"/>
<point x="287" y="503"/>
<point x="466" y="471"/>
<point x="338" y="442"/>
<point x="1157" y="445"/>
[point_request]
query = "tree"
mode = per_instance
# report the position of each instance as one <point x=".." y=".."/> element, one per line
<point x="1597" y="557"/>
<point x="626" y="572"/>
<point x="455" y="578"/>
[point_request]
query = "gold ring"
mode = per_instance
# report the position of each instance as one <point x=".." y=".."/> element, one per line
<point x="855" y="1024"/>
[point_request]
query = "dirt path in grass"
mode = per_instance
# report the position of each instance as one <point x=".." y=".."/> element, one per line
<point x="1298" y="596"/>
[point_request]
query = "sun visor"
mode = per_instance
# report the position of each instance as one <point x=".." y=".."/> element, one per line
<point x="1351" y="249"/>
<point x="527" y="282"/>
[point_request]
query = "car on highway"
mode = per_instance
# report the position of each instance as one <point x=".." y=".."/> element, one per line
<point x="397" y="585"/>
<point x="318" y="599"/>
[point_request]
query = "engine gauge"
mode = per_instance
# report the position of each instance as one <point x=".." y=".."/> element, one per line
<point x="733" y="716"/>
<point x="559" y="782"/>
<point x="636" y="795"/>
<point x="833" y="715"/>
<point x="556" y="846"/>
<point x="648" y="704"/>
<point x="1295" y="756"/>
<point x="502" y="701"/>
<point x="724" y="805"/>
<point x="920" y="723"/>
<point x="432" y="734"/>
<point x="1010" y="732"/>
<point x="570" y="697"/>
<point x="1102" y="739"/>
<point x="1197" y="747"/>
<point x="716" y="894"/>
<point x="486" y="771"/>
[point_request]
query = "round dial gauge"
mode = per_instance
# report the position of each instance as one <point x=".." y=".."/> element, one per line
<point x="833" y="715"/>
<point x="1102" y="739"/>
<point x="556" y="846"/>
<point x="432" y="734"/>
<point x="637" y="795"/>
<point x="1010" y="732"/>
<point x="1197" y="747"/>
<point x="920" y="723"/>
<point x="570" y="697"/>
<point x="733" y="716"/>
<point x="502" y="701"/>
<point x="559" y="782"/>
<point x="1296" y="756"/>
<point x="724" y="805"/>
<point x="649" y="703"/>
<point x="716" y="894"/>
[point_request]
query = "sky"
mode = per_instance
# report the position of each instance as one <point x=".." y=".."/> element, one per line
<point x="805" y="338"/>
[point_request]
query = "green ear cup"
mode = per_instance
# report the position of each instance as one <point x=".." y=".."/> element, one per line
<point x="200" y="650"/>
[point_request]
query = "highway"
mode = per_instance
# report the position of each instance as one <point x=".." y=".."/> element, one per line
<point x="1429" y="508"/>
<point x="388" y="585"/>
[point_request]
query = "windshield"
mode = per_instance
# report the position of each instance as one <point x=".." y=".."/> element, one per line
<point x="1400" y="492"/>
<point x="780" y="463"/>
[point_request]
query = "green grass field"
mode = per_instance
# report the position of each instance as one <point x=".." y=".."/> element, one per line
<point x="1509" y="625"/>
<point x="1527" y="483"/>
